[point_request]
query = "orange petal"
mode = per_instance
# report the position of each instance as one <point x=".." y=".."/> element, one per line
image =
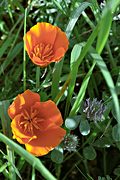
<point x="25" y="99"/>
<point x="28" y="41"/>
<point x="49" y="111"/>
<point x="51" y="137"/>
<point x="61" y="40"/>
<point x="30" y="97"/>
<point x="59" y="53"/>
<point x="38" y="151"/>
<point x="47" y="33"/>
<point x="40" y="33"/>
<point x="39" y="62"/>
<point x="15" y="107"/>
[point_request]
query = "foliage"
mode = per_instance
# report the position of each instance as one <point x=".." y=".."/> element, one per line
<point x="89" y="70"/>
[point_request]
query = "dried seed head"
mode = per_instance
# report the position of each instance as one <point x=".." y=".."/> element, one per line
<point x="70" y="142"/>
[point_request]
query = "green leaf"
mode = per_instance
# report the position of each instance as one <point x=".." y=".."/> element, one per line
<point x="107" y="177"/>
<point x="116" y="132"/>
<point x="58" y="66"/>
<point x="13" y="54"/>
<point x="74" y="17"/>
<point x="57" y="155"/>
<point x="5" y="120"/>
<point x="84" y="127"/>
<point x="35" y="162"/>
<point x="75" y="53"/>
<point x="113" y="112"/>
<point x="104" y="32"/>
<point x="58" y="5"/>
<point x="82" y="91"/>
<point x="5" y="45"/>
<point x="101" y="178"/>
<point x="117" y="171"/>
<point x="72" y="122"/>
<point x="107" y="76"/>
<point x="89" y="153"/>
<point x="103" y="142"/>
<point x="3" y="167"/>
<point x="15" y="170"/>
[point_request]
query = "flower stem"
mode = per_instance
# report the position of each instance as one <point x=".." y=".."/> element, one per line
<point x="11" y="159"/>
<point x="61" y="92"/>
<point x="37" y="77"/>
<point x="33" y="174"/>
<point x="35" y="162"/>
<point x="112" y="61"/>
<point x="104" y="161"/>
<point x="24" y="54"/>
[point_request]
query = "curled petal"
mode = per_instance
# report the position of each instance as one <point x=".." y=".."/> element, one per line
<point x="61" y="40"/>
<point x="39" y="62"/>
<point x="52" y="136"/>
<point x="49" y="111"/>
<point x="25" y="99"/>
<point x="45" y="43"/>
<point x="40" y="33"/>
<point x="59" y="53"/>
<point x="36" y="124"/>
<point x="46" y="140"/>
<point x="38" y="151"/>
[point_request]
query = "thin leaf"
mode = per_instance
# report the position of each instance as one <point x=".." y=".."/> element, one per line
<point x="28" y="157"/>
<point x="106" y="74"/>
<point x="58" y="66"/>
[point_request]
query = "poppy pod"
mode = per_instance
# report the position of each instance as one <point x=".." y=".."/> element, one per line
<point x="36" y="124"/>
<point x="45" y="44"/>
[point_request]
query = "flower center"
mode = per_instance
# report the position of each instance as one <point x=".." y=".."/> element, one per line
<point x="44" y="52"/>
<point x="30" y="120"/>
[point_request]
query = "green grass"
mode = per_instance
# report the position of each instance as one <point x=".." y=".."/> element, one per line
<point x="90" y="69"/>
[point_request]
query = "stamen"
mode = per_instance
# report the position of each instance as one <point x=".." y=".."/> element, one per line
<point x="43" y="51"/>
<point x="30" y="121"/>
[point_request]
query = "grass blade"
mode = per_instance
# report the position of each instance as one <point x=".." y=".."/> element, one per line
<point x="82" y="91"/>
<point x="35" y="162"/>
<point x="58" y="66"/>
<point x="107" y="76"/>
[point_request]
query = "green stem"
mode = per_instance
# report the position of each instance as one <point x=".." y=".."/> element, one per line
<point x="70" y="170"/>
<point x="37" y="77"/>
<point x="33" y="174"/>
<point x="5" y="171"/>
<point x="85" y="177"/>
<point x="86" y="166"/>
<point x="58" y="171"/>
<point x="11" y="159"/>
<point x="35" y="162"/>
<point x="88" y="20"/>
<point x="112" y="61"/>
<point x="24" y="54"/>
<point x="82" y="91"/>
<point x="64" y="87"/>
<point x="104" y="161"/>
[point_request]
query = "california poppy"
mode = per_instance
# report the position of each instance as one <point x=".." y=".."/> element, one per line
<point x="45" y="44"/>
<point x="36" y="124"/>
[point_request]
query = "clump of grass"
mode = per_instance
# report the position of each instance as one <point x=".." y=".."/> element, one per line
<point x="90" y="68"/>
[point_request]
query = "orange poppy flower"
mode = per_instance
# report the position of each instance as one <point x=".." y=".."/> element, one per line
<point x="45" y="44"/>
<point x="36" y="124"/>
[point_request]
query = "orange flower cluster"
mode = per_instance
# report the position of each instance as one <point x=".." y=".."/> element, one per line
<point x="36" y="124"/>
<point x="45" y="44"/>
